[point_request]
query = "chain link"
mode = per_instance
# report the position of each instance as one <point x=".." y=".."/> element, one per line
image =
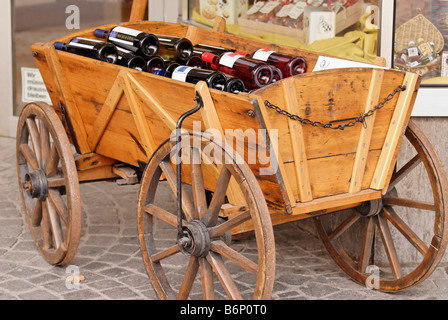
<point x="351" y="121"/>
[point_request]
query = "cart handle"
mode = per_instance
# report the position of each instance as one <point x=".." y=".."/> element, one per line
<point x="182" y="238"/>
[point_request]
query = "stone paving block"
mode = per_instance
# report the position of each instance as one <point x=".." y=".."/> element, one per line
<point x="6" y="296"/>
<point x="120" y="293"/>
<point x="102" y="241"/>
<point x="38" y="294"/>
<point x="24" y="272"/>
<point x="83" y="294"/>
<point x="17" y="285"/>
<point x="43" y="278"/>
<point x="116" y="272"/>
<point x="104" y="284"/>
<point x="7" y="242"/>
<point x="316" y="290"/>
<point x="25" y="245"/>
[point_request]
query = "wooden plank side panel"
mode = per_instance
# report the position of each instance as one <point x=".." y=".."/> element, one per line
<point x="395" y="133"/>
<point x="366" y="132"/>
<point x="297" y="142"/>
<point x="332" y="101"/>
<point x="64" y="91"/>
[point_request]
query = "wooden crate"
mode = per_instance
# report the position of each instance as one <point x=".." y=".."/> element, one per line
<point x="344" y="19"/>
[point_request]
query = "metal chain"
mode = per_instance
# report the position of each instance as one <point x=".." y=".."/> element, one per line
<point x="351" y="121"/>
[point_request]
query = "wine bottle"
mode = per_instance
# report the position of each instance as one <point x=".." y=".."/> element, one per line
<point x="134" y="40"/>
<point x="199" y="49"/>
<point x="214" y="79"/>
<point x="155" y="63"/>
<point x="234" y="85"/>
<point x="289" y="64"/>
<point x="128" y="59"/>
<point x="175" y="48"/>
<point x="277" y="74"/>
<point x="254" y="74"/>
<point x="196" y="62"/>
<point x="90" y="48"/>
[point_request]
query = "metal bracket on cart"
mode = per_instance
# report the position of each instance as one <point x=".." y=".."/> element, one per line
<point x="128" y="174"/>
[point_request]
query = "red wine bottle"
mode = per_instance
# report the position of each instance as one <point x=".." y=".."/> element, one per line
<point x="154" y="64"/>
<point x="234" y="85"/>
<point x="254" y="74"/>
<point x="199" y="49"/>
<point x="289" y="64"/>
<point x="128" y="59"/>
<point x="214" y="79"/>
<point x="90" y="48"/>
<point x="277" y="74"/>
<point x="175" y="48"/>
<point x="133" y="40"/>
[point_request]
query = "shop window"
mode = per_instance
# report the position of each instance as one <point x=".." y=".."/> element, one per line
<point x="421" y="39"/>
<point x="47" y="20"/>
<point x="345" y="28"/>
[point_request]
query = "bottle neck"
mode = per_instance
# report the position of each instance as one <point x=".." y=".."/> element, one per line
<point x="210" y="58"/>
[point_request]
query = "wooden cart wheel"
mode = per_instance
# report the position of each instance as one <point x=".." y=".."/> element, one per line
<point x="49" y="183"/>
<point x="173" y="262"/>
<point x="405" y="218"/>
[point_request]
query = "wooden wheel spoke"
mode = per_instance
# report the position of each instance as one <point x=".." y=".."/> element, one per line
<point x="208" y="287"/>
<point x="35" y="140"/>
<point x="197" y="183"/>
<point x="45" y="228"/>
<point x="218" y="196"/>
<point x="163" y="215"/>
<point x="59" y="205"/>
<point x="224" y="276"/>
<point x="405" y="230"/>
<point x="170" y="175"/>
<point x="165" y="253"/>
<point x="367" y="244"/>
<point x="29" y="156"/>
<point x="404" y="171"/>
<point x="395" y="201"/>
<point x="55" y="225"/>
<point x="224" y="250"/>
<point x="36" y="216"/>
<point x="389" y="246"/>
<point x="53" y="161"/>
<point x="221" y="228"/>
<point x="189" y="277"/>
<point x="347" y="223"/>
<point x="45" y="145"/>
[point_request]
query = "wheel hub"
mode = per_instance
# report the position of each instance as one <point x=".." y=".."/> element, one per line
<point x="370" y="208"/>
<point x="36" y="184"/>
<point x="195" y="239"/>
<point x="374" y="207"/>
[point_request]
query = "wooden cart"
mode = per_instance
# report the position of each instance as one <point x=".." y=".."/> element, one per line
<point x="112" y="123"/>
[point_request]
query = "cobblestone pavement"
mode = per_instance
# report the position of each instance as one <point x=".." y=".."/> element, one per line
<point x="109" y="254"/>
